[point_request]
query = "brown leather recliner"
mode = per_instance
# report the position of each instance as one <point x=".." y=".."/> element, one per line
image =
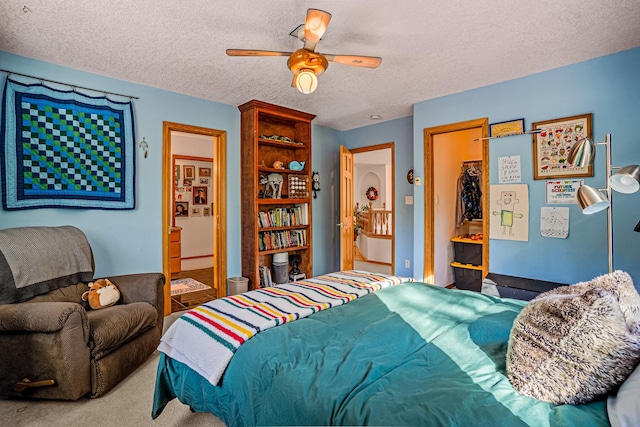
<point x="54" y="346"/>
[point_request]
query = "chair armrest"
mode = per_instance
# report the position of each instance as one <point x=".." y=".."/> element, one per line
<point x="142" y="287"/>
<point x="42" y="317"/>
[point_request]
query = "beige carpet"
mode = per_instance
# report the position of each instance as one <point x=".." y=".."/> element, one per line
<point x="128" y="404"/>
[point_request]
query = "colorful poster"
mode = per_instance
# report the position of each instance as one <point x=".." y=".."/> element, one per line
<point x="563" y="191"/>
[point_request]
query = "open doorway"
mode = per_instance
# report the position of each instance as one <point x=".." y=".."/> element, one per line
<point x="194" y="214"/>
<point x="450" y="151"/>
<point x="373" y="210"/>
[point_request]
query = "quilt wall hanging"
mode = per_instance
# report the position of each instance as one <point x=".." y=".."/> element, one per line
<point x="64" y="149"/>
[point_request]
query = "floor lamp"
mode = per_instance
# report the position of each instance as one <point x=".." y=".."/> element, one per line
<point x="626" y="180"/>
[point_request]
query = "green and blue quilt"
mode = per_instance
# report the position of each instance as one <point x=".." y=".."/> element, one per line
<point x="65" y="149"/>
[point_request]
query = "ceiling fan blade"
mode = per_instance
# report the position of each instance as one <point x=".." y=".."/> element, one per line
<point x="253" y="52"/>
<point x="355" y="60"/>
<point x="314" y="27"/>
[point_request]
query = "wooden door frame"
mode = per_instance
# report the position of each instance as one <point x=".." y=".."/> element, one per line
<point x="384" y="146"/>
<point x="429" y="219"/>
<point x="219" y="211"/>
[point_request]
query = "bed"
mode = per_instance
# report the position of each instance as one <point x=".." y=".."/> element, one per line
<point x="407" y="354"/>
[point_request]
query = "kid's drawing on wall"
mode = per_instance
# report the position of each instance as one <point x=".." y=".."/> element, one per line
<point x="510" y="204"/>
<point x="554" y="222"/>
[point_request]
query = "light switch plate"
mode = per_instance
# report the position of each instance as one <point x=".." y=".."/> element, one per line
<point x="418" y="181"/>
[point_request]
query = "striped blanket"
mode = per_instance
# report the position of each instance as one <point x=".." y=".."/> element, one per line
<point x="206" y="337"/>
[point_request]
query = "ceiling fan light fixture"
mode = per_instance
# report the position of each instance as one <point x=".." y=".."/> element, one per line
<point x="306" y="81"/>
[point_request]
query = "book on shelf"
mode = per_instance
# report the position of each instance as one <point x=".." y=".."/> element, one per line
<point x="265" y="276"/>
<point x="284" y="217"/>
<point x="269" y="240"/>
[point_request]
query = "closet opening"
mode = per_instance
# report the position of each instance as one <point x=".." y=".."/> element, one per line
<point x="456" y="204"/>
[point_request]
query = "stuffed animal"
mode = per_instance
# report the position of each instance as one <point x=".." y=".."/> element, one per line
<point x="102" y="293"/>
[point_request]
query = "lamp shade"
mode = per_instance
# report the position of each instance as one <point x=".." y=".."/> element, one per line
<point x="626" y="180"/>
<point x="591" y="200"/>
<point x="306" y="81"/>
<point x="582" y="153"/>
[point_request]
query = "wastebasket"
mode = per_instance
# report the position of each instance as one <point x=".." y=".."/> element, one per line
<point x="280" y="268"/>
<point x="237" y="285"/>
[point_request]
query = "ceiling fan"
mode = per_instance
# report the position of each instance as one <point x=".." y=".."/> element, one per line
<point x="306" y="64"/>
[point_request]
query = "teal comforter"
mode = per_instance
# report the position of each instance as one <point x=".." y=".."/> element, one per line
<point x="411" y="354"/>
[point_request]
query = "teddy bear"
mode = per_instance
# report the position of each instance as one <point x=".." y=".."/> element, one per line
<point x="102" y="293"/>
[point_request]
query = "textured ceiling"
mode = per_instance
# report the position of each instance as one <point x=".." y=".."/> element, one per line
<point x="429" y="48"/>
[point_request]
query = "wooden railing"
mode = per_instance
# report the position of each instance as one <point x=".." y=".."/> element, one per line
<point x="375" y="221"/>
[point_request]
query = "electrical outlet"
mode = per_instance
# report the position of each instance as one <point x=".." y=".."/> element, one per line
<point x="407" y="263"/>
<point x="408" y="200"/>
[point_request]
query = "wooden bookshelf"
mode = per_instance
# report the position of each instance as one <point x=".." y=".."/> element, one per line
<point x="269" y="134"/>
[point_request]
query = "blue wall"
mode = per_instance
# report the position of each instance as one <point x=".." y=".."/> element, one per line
<point x="608" y="87"/>
<point x="399" y="132"/>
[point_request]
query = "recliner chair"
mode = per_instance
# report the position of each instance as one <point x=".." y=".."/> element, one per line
<point x="54" y="346"/>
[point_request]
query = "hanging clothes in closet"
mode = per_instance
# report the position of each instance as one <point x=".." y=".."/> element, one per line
<point x="468" y="193"/>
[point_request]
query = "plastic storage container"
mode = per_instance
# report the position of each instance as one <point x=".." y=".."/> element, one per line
<point x="467" y="278"/>
<point x="467" y="253"/>
<point x="237" y="285"/>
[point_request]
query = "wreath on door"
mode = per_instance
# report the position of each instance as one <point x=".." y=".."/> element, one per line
<point x="372" y="193"/>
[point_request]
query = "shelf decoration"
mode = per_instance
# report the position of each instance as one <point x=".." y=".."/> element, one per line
<point x="372" y="193"/>
<point x="272" y="181"/>
<point x="298" y="186"/>
<point x="296" y="166"/>
<point x="279" y="138"/>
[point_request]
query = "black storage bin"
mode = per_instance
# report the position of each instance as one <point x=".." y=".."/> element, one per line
<point x="468" y="279"/>
<point x="467" y="253"/>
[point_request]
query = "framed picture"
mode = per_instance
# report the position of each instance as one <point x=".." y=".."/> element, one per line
<point x="200" y="195"/>
<point x="186" y="182"/>
<point x="206" y="211"/>
<point x="203" y="181"/>
<point x="181" y="209"/>
<point x="196" y="211"/>
<point x="512" y="127"/>
<point x="552" y="144"/>
<point x="204" y="172"/>
<point x="176" y="172"/>
<point x="189" y="172"/>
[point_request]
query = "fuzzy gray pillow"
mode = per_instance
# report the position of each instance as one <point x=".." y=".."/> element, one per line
<point x="575" y="343"/>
